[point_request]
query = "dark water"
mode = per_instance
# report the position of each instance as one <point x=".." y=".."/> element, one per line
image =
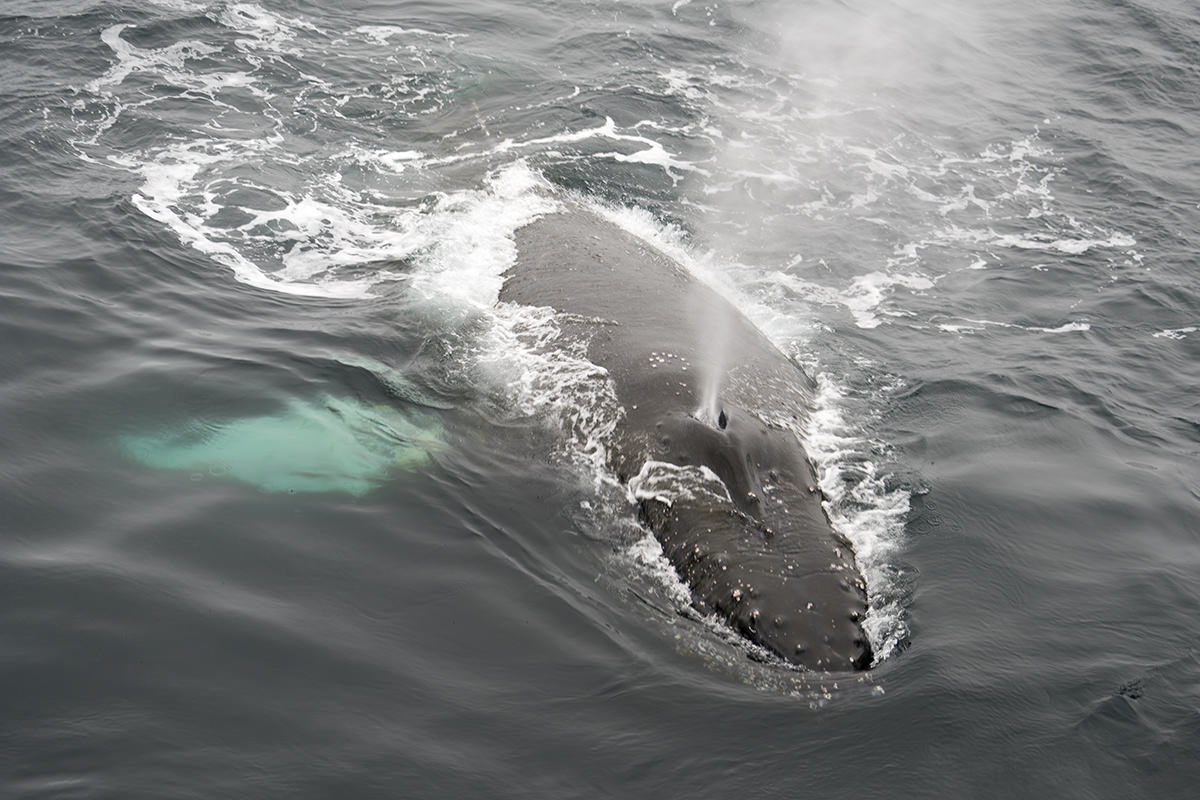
<point x="291" y="508"/>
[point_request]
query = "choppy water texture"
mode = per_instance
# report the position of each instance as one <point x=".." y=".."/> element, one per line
<point x="292" y="508"/>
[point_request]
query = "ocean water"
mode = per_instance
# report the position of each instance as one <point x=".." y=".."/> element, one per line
<point x="293" y="508"/>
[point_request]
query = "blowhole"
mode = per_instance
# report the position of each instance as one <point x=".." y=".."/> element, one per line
<point x="722" y="420"/>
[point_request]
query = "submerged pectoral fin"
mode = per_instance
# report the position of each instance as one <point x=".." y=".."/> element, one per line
<point x="331" y="445"/>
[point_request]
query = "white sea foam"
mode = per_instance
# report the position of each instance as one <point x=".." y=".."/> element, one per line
<point x="265" y="31"/>
<point x="862" y="507"/>
<point x="300" y="246"/>
<point x="176" y="192"/>
<point x="682" y="83"/>
<point x="179" y="5"/>
<point x="646" y="554"/>
<point x="668" y="483"/>
<point x="130" y="60"/>
<point x="653" y="152"/>
<point x="1175" y="333"/>
<point x="868" y="292"/>
<point x="1061" y="245"/>
<point x="383" y="34"/>
<point x="470" y="236"/>
<point x="545" y="377"/>
<point x="966" y="325"/>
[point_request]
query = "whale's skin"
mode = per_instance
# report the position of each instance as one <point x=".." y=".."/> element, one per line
<point x="765" y="559"/>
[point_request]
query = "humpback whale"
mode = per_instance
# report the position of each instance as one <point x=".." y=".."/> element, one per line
<point x="722" y="480"/>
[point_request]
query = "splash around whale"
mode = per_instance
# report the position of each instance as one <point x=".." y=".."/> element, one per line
<point x="721" y="478"/>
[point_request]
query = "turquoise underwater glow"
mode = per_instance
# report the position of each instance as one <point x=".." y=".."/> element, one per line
<point x="331" y="444"/>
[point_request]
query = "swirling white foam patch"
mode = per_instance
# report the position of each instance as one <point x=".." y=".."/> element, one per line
<point x="542" y="376"/>
<point x="169" y="60"/>
<point x="668" y="483"/>
<point x="862" y="507"/>
<point x="968" y="326"/>
<point x="1175" y="333"/>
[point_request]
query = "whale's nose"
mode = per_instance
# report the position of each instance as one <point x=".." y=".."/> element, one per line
<point x="713" y="416"/>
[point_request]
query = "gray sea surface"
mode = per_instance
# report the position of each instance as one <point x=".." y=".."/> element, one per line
<point x="292" y="507"/>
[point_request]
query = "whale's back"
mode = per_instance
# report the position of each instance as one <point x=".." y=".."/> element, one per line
<point x="640" y="308"/>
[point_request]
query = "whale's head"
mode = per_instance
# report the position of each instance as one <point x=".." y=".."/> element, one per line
<point x="765" y="556"/>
